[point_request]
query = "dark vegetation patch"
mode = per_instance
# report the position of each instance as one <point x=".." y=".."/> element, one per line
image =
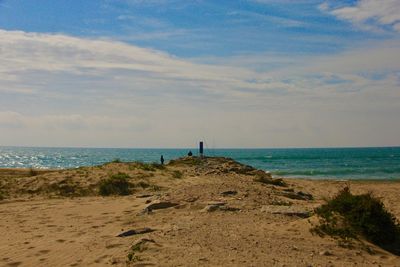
<point x="69" y="190"/>
<point x="143" y="184"/>
<point x="146" y="166"/>
<point x="158" y="166"/>
<point x="177" y="174"/>
<point x="186" y="161"/>
<point x="348" y="217"/>
<point x="138" y="247"/>
<point x="155" y="187"/>
<point x="116" y="184"/>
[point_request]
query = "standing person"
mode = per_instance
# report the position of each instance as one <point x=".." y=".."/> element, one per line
<point x="162" y="160"/>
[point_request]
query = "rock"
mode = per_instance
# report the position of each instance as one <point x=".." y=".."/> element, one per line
<point x="261" y="173"/>
<point x="325" y="253"/>
<point x="213" y="206"/>
<point x="160" y="205"/>
<point x="299" y="195"/>
<point x="226" y="208"/>
<point x="229" y="193"/>
<point x="268" y="180"/>
<point x="210" y="208"/>
<point x="307" y="196"/>
<point x="287" y="210"/>
<point x="192" y="199"/>
<point x="242" y="169"/>
<point x="218" y="203"/>
<point x="136" y="232"/>
<point x="144" y="196"/>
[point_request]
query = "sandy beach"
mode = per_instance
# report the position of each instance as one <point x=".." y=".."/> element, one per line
<point x="213" y="212"/>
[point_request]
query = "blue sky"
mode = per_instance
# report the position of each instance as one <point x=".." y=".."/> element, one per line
<point x="165" y="73"/>
<point x="190" y="28"/>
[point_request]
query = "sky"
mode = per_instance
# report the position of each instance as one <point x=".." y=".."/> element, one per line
<point x="168" y="73"/>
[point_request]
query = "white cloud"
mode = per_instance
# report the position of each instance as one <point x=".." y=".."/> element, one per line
<point x="368" y="14"/>
<point x="28" y="52"/>
<point x="63" y="90"/>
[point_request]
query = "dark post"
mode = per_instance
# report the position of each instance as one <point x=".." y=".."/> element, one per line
<point x="201" y="148"/>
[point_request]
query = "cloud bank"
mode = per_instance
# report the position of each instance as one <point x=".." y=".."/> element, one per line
<point x="60" y="90"/>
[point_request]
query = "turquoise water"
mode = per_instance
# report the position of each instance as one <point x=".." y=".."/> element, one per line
<point x="332" y="163"/>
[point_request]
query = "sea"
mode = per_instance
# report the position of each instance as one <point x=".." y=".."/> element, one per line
<point x="316" y="163"/>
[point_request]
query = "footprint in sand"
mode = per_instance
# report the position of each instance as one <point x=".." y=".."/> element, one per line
<point x="14" y="264"/>
<point x="41" y="252"/>
<point x="100" y="259"/>
<point x="114" y="245"/>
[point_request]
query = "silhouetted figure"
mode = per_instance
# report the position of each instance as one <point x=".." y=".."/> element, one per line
<point x="162" y="160"/>
<point x="190" y="153"/>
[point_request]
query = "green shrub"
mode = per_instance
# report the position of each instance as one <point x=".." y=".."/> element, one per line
<point x="145" y="166"/>
<point x="143" y="184"/>
<point x="186" y="161"/>
<point x="350" y="216"/>
<point x="155" y="187"/>
<point x="68" y="190"/>
<point x="177" y="174"/>
<point x="116" y="184"/>
<point x="117" y="160"/>
<point x="159" y="166"/>
<point x="137" y="248"/>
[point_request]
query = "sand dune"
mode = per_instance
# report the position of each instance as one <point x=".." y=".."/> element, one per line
<point x="224" y="216"/>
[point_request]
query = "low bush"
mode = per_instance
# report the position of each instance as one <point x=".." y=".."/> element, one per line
<point x="177" y="174"/>
<point x="117" y="160"/>
<point x="146" y="166"/>
<point x="351" y="216"/>
<point x="137" y="248"/>
<point x="143" y="184"/>
<point x="158" y="166"/>
<point x="116" y="184"/>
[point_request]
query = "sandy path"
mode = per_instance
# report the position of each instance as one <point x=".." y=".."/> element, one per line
<point x="63" y="232"/>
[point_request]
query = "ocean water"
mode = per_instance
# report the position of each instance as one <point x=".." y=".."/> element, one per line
<point x="318" y="163"/>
